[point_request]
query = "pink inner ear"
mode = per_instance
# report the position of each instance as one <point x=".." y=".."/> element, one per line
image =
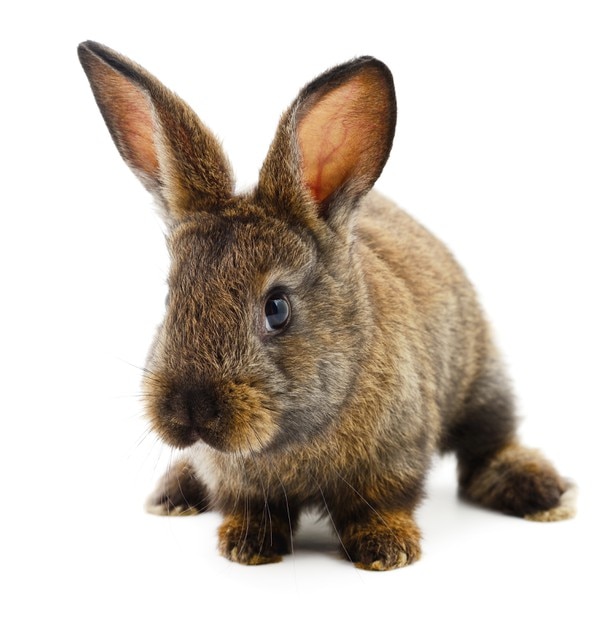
<point x="339" y="136"/>
<point x="327" y="139"/>
<point x="131" y="119"/>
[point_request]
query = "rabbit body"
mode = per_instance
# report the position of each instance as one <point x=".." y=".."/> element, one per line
<point x="319" y="346"/>
<point x="411" y="367"/>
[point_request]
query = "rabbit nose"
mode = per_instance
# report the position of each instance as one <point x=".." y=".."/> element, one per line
<point x="199" y="405"/>
<point x="187" y="413"/>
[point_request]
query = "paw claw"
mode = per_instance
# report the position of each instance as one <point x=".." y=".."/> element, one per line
<point x="387" y="542"/>
<point x="248" y="544"/>
<point x="389" y="563"/>
<point x="247" y="557"/>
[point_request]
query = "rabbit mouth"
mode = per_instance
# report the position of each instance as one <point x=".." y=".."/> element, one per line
<point x="231" y="417"/>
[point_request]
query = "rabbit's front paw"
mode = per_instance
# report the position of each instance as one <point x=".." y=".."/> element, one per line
<point x="179" y="492"/>
<point x="253" y="542"/>
<point x="386" y="541"/>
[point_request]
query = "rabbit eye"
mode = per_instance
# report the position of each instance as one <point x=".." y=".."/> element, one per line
<point x="277" y="312"/>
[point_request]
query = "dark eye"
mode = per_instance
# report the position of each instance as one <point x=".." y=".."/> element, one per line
<point x="277" y="312"/>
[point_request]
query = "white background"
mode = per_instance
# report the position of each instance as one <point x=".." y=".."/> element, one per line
<point x="505" y="148"/>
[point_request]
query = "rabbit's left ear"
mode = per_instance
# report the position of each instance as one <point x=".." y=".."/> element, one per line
<point x="162" y="140"/>
<point x="334" y="140"/>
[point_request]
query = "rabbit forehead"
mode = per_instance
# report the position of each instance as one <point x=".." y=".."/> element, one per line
<point x="261" y="250"/>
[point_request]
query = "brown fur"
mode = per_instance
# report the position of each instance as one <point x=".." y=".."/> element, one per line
<point x="256" y="535"/>
<point x="385" y="361"/>
<point x="383" y="541"/>
<point x="179" y="492"/>
<point x="514" y="480"/>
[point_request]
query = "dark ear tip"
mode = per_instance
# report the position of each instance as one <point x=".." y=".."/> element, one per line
<point x="88" y="46"/>
<point x="340" y="73"/>
<point x="82" y="50"/>
<point x="92" y="53"/>
<point x="369" y="60"/>
<point x="88" y="49"/>
<point x="377" y="64"/>
<point x="92" y="46"/>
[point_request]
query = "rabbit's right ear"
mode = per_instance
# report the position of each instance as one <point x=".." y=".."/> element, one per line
<point x="162" y="140"/>
<point x="332" y="143"/>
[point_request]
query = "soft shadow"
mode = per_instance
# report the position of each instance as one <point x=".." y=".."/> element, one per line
<point x="447" y="516"/>
<point x="315" y="535"/>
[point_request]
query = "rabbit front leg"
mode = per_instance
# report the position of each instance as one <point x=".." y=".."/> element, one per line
<point x="257" y="532"/>
<point x="375" y="521"/>
<point x="372" y="512"/>
<point x="381" y="540"/>
<point x="179" y="492"/>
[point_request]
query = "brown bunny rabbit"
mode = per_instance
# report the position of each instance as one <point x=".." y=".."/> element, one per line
<point x="319" y="346"/>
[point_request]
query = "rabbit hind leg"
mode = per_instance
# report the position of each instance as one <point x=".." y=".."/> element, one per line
<point x="498" y="472"/>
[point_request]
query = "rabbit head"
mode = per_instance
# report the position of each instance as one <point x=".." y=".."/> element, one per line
<point x="266" y="321"/>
